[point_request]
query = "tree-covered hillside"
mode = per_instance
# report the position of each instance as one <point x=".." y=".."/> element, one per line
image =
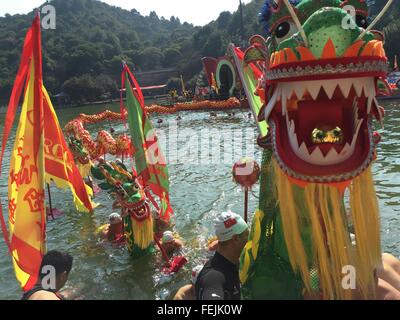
<point x="90" y="41"/>
<point x="82" y="56"/>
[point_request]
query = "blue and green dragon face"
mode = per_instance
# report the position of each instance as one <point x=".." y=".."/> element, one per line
<point x="321" y="87"/>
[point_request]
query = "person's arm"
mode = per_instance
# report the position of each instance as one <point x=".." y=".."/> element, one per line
<point x="104" y="231"/>
<point x="213" y="286"/>
<point x="178" y="244"/>
<point x="182" y="293"/>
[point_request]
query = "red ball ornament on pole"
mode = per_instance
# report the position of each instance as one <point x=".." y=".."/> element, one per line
<point x="246" y="173"/>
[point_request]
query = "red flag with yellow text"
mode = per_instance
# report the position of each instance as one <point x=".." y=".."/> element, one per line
<point x="59" y="161"/>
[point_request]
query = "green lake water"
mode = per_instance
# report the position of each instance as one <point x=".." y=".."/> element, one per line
<point x="199" y="191"/>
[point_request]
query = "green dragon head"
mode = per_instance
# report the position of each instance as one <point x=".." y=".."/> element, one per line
<point x="321" y="73"/>
<point x="78" y="150"/>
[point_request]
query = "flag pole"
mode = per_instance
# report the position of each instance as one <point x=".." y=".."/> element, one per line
<point x="51" y="207"/>
<point x="246" y="203"/>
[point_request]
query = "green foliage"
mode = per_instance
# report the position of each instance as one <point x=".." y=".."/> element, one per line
<point x="90" y="41"/>
<point x="88" y="88"/>
<point x="172" y="57"/>
<point x="390" y="25"/>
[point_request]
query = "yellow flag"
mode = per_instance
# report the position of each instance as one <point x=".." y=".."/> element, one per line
<point x="27" y="218"/>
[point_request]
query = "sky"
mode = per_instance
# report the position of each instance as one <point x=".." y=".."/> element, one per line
<point x="198" y="12"/>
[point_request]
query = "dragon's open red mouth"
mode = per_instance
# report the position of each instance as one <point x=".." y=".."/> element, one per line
<point x="321" y="129"/>
<point x="139" y="211"/>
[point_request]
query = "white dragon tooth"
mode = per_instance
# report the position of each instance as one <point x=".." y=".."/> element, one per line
<point x="364" y="86"/>
<point x="353" y="142"/>
<point x="370" y="89"/>
<point x="299" y="89"/>
<point x="292" y="127"/>
<point x="331" y="157"/>
<point x="284" y="97"/>
<point x="284" y="100"/>
<point x="313" y="89"/>
<point x="358" y="86"/>
<point x="287" y="90"/>
<point x="355" y="113"/>
<point x="356" y="124"/>
<point x="345" y="150"/>
<point x="345" y="86"/>
<point x="329" y="87"/>
<point x="294" y="141"/>
<point x="317" y="156"/>
<point x="287" y="121"/>
<point x="304" y="151"/>
<point x="271" y="103"/>
<point x="290" y="89"/>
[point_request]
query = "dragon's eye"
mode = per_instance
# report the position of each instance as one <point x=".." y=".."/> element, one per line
<point x="284" y="30"/>
<point x="361" y="21"/>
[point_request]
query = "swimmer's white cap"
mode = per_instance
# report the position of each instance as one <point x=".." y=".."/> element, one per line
<point x="168" y="237"/>
<point x="115" y="218"/>
<point x="228" y="224"/>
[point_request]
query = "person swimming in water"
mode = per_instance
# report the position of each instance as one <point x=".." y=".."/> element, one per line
<point x="171" y="244"/>
<point x="114" y="230"/>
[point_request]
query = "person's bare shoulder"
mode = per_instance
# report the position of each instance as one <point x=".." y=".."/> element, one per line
<point x="44" y="295"/>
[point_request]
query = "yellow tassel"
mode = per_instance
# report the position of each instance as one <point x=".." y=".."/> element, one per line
<point x="292" y="226"/>
<point x="256" y="233"/>
<point x="319" y="242"/>
<point x="143" y="232"/>
<point x="331" y="244"/>
<point x="331" y="240"/>
<point x="243" y="275"/>
<point x="365" y="215"/>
